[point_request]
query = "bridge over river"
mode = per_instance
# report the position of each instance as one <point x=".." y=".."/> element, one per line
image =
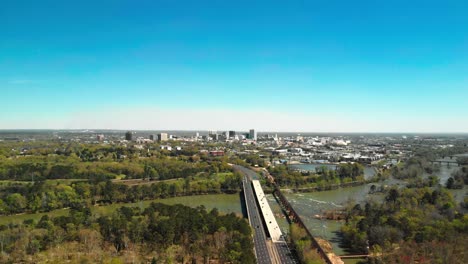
<point x="270" y="245"/>
<point x="458" y="160"/>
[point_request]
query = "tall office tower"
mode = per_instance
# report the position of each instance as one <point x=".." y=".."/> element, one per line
<point x="253" y="134"/>
<point x="128" y="136"/>
<point x="232" y="134"/>
<point x="162" y="137"/>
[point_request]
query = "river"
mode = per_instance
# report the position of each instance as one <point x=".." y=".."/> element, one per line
<point x="444" y="172"/>
<point x="308" y="205"/>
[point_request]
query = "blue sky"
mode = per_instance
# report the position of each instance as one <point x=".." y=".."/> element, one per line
<point x="345" y="66"/>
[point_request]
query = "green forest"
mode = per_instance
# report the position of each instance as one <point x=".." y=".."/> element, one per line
<point x="45" y="176"/>
<point x="54" y="176"/>
<point x="45" y="196"/>
<point x="159" y="233"/>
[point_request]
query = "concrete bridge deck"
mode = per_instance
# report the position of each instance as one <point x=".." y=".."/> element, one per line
<point x="267" y="250"/>
<point x="272" y="226"/>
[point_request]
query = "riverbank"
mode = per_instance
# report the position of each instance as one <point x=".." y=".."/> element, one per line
<point x="324" y="188"/>
<point x="369" y="171"/>
<point x="310" y="205"/>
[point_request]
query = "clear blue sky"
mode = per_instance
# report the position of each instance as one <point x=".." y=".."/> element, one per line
<point x="287" y="65"/>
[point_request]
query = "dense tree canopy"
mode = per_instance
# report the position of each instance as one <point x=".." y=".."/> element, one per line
<point x="322" y="178"/>
<point x="198" y="236"/>
<point x="409" y="215"/>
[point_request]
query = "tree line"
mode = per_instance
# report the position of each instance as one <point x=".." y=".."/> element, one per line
<point x="44" y="196"/>
<point x="321" y="178"/>
<point x="63" y="167"/>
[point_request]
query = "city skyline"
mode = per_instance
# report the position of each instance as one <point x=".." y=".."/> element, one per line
<point x="304" y="67"/>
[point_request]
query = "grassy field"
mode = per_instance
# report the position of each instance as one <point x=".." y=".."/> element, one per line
<point x="64" y="181"/>
<point x="51" y="181"/>
<point x="219" y="177"/>
<point x="353" y="261"/>
<point x="9" y="184"/>
<point x="226" y="203"/>
<point x="4" y="220"/>
<point x="132" y="182"/>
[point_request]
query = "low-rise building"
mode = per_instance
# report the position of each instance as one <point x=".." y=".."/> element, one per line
<point x="216" y="153"/>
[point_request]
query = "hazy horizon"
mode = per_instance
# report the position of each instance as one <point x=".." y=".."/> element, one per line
<point x="104" y="130"/>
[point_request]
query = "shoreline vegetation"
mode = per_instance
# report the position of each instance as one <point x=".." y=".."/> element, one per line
<point x="417" y="222"/>
<point x="322" y="179"/>
<point x="413" y="182"/>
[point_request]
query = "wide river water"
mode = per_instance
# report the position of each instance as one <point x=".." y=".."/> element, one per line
<point x="308" y="205"/>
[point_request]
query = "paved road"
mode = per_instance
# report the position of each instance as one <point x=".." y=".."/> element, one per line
<point x="256" y="222"/>
<point x="260" y="243"/>
<point x="284" y="253"/>
<point x="252" y="175"/>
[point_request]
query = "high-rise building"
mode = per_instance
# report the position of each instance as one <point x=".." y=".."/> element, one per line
<point x="100" y="137"/>
<point x="128" y="136"/>
<point x="153" y="137"/>
<point x="162" y="137"/>
<point x="232" y="134"/>
<point x="253" y="134"/>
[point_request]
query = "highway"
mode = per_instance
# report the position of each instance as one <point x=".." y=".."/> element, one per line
<point x="284" y="253"/>
<point x="259" y="236"/>
<point x="255" y="219"/>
